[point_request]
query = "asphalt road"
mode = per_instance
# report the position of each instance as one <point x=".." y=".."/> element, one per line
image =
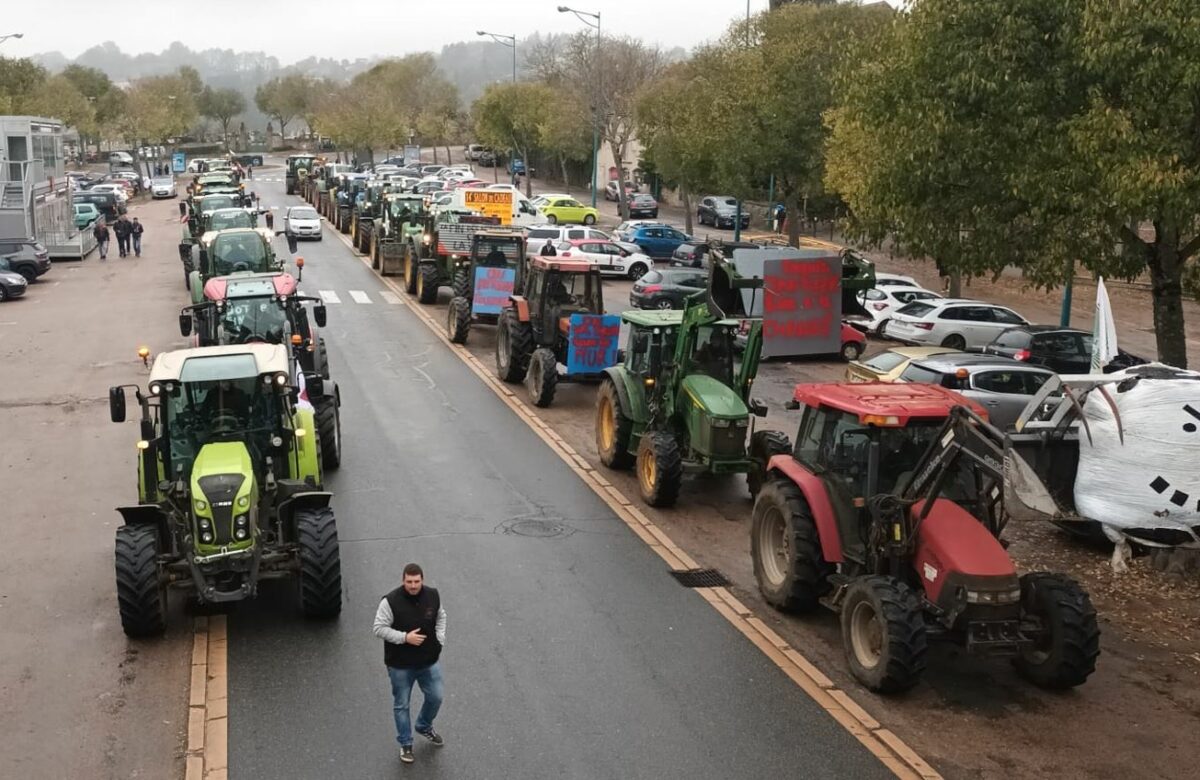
<point x="571" y="652"/>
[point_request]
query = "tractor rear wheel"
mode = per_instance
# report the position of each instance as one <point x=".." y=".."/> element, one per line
<point x="1065" y="653"/>
<point x="461" y="283"/>
<point x="427" y="283"/>
<point x="458" y="320"/>
<point x="542" y="378"/>
<point x="659" y="468"/>
<point x="411" y="270"/>
<point x="514" y="345"/>
<point x="883" y="631"/>
<point x="374" y="251"/>
<point x="320" y="563"/>
<point x="329" y="430"/>
<point x="763" y="446"/>
<point x="613" y="428"/>
<point x="785" y="549"/>
<point x="141" y="593"/>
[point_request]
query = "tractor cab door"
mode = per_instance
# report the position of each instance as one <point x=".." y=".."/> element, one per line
<point x="834" y="446"/>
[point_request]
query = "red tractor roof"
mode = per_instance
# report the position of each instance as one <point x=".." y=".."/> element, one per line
<point x="883" y="403"/>
<point x="567" y="266"/>
<point x="249" y="286"/>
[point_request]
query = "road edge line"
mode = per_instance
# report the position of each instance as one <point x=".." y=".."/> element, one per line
<point x="206" y="756"/>
<point x="883" y="743"/>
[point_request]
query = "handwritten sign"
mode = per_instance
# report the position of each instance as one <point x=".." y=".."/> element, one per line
<point x="592" y="343"/>
<point x="493" y="286"/>
<point x="802" y="305"/>
<point x="490" y="203"/>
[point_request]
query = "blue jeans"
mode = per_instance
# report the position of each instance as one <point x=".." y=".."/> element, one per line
<point x="137" y="244"/>
<point x="430" y="680"/>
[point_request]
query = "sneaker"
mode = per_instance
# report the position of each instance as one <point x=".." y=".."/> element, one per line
<point x="406" y="754"/>
<point x="433" y="737"/>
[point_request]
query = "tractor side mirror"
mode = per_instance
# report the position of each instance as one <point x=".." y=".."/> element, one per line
<point x="185" y="324"/>
<point x="116" y="404"/>
<point x="292" y="242"/>
<point x="314" y="384"/>
<point x="791" y="405"/>
<point x="319" y="315"/>
<point x="758" y="408"/>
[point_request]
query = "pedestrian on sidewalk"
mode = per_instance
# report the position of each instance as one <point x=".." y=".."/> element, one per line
<point x="100" y="233"/>
<point x="548" y="249"/>
<point x="122" y="230"/>
<point x="135" y="233"/>
<point x="412" y="624"/>
<point x="250" y="172"/>
<point x="780" y="217"/>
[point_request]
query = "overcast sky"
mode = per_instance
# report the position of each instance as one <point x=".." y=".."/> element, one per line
<point x="294" y="29"/>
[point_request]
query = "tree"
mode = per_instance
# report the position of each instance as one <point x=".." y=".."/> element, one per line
<point x="18" y="78"/>
<point x="566" y="132"/>
<point x="156" y="109"/>
<point x="284" y="98"/>
<point x="510" y="116"/>
<point x="221" y="105"/>
<point x="58" y="98"/>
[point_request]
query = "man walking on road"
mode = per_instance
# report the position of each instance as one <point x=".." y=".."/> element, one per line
<point x="412" y="624"/>
<point x="100" y="233"/>
<point x="122" y="230"/>
<point x="135" y="232"/>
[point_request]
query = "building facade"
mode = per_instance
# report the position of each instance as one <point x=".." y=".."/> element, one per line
<point x="35" y="199"/>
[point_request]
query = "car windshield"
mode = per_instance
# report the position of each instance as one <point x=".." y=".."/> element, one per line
<point x="233" y="218"/>
<point x="728" y="202"/>
<point x="920" y="374"/>
<point x="253" y="319"/>
<point x="162" y="182"/>
<point x="1016" y="338"/>
<point x="303" y="213"/>
<point x="652" y="277"/>
<point x="915" y="309"/>
<point x="233" y="252"/>
<point x="885" y="361"/>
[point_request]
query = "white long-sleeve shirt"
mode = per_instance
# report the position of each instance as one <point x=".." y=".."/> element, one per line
<point x="383" y="625"/>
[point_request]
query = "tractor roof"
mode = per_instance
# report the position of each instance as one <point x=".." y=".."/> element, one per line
<point x="896" y="404"/>
<point x="667" y="318"/>
<point x="212" y="235"/>
<point x="566" y="266"/>
<point x="189" y="364"/>
<point x="249" y="286"/>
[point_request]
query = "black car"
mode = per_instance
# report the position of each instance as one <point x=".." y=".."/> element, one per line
<point x="720" y="211"/>
<point x="26" y="256"/>
<point x="666" y="289"/>
<point x="108" y="203"/>
<point x="694" y="254"/>
<point x="643" y="205"/>
<point x="1063" y="350"/>
<point x="12" y="284"/>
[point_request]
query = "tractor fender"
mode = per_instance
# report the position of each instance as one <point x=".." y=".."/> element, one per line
<point x="953" y="547"/>
<point x="140" y="514"/>
<point x="817" y="497"/>
<point x="331" y="390"/>
<point x="311" y="499"/>
<point x="522" y="306"/>
<point x="617" y="376"/>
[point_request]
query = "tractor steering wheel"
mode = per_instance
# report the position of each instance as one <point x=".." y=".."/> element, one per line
<point x="241" y="266"/>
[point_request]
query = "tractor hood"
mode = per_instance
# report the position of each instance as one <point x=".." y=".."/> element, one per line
<point x="224" y="495"/>
<point x="713" y="397"/>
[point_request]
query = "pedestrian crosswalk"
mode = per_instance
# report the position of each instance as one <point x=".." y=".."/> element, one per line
<point x="361" y="297"/>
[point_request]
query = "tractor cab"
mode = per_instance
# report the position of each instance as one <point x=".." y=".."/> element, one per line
<point x="484" y="279"/>
<point x="296" y="169"/>
<point x="404" y="213"/>
<point x="228" y="219"/>
<point x="226" y="252"/>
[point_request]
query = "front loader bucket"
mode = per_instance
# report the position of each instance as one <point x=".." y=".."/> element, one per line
<point x="1026" y="497"/>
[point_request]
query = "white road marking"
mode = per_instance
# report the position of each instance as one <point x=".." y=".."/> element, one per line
<point x="359" y="296"/>
<point x="390" y="296"/>
<point x="329" y="296"/>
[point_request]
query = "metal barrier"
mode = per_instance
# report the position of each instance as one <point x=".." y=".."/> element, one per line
<point x="69" y="244"/>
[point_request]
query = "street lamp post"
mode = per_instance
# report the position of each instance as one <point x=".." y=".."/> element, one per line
<point x="4" y="38"/>
<point x="511" y="43"/>
<point x="583" y="17"/>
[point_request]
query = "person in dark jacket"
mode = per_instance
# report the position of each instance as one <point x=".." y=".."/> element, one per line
<point x="100" y="232"/>
<point x="548" y="249"/>
<point x="412" y="624"/>
<point x="122" y="229"/>
<point x="135" y="233"/>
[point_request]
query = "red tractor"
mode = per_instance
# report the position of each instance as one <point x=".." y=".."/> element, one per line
<point x="889" y="511"/>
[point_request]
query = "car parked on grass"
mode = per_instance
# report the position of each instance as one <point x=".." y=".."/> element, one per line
<point x="658" y="240"/>
<point x="302" y="222"/>
<point x="887" y="366"/>
<point x="569" y="210"/>
<point x="611" y="259"/>
<point x="1062" y="350"/>
<point x="720" y="211"/>
<point x="881" y="302"/>
<point x="1000" y="385"/>
<point x="642" y="205"/>
<point x="958" y="323"/>
<point x="667" y="288"/>
<point x="86" y="214"/>
<point x="26" y="256"/>
<point x="12" y="284"/>
<point x="163" y="187"/>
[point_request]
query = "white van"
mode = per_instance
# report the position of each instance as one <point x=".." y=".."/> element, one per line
<point x="512" y="208"/>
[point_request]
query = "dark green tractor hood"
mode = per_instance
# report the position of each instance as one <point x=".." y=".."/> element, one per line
<point x="713" y="397"/>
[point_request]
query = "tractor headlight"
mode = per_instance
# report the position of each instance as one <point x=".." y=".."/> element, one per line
<point x="240" y="534"/>
<point x="281" y="379"/>
<point x="244" y="501"/>
<point x="206" y="537"/>
<point x="201" y="505"/>
<point x="742" y="423"/>
<point x="719" y="423"/>
<point x="205" y="524"/>
<point x="426" y="239"/>
<point x="241" y="520"/>
<point x="155" y="388"/>
<point x="994" y="596"/>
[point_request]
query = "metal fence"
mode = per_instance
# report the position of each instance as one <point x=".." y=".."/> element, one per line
<point x="69" y="243"/>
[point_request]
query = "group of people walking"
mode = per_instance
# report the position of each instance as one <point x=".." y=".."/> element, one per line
<point x="128" y="233"/>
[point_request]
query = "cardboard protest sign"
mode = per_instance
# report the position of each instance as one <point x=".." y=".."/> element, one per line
<point x="493" y="286"/>
<point x="592" y="343"/>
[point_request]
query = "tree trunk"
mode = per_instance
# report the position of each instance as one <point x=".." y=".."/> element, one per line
<point x="447" y="151"/>
<point x="528" y="175"/>
<point x="794" y="218"/>
<point x="619" y="162"/>
<point x="1166" y="271"/>
<point x="562" y="161"/>
<point x="686" y="198"/>
<point x="435" y="157"/>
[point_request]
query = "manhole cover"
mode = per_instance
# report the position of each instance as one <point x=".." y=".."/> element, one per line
<point x="540" y="528"/>
<point x="700" y="578"/>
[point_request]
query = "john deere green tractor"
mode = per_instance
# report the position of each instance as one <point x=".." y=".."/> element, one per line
<point x="229" y="488"/>
<point x="401" y="226"/>
<point x="227" y="252"/>
<point x="296" y="169"/>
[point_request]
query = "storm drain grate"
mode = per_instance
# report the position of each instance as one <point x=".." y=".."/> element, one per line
<point x="700" y="578"/>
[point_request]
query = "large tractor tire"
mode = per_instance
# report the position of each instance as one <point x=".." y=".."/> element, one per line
<point x="514" y="346"/>
<point x="883" y="632"/>
<point x="427" y="283"/>
<point x="320" y="563"/>
<point x="764" y="445"/>
<point x="411" y="270"/>
<point x="785" y="549"/>
<point x="542" y="377"/>
<point x="376" y="253"/>
<point x="329" y="430"/>
<point x="613" y="428"/>
<point x="458" y="320"/>
<point x="1066" y="653"/>
<point x="141" y="593"/>
<point x="461" y="283"/>
<point x="659" y="468"/>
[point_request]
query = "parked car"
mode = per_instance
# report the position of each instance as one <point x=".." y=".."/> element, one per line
<point x="667" y="289"/>
<point x="120" y="158"/>
<point x="611" y="259"/>
<point x="643" y="205"/>
<point x="516" y="166"/>
<point x="894" y="280"/>
<point x="881" y="302"/>
<point x="694" y="253"/>
<point x="26" y="256"/>
<point x="488" y="159"/>
<point x="543" y="198"/>
<point x="426" y="187"/>
<point x="110" y="204"/>
<point x="569" y="210"/>
<point x="658" y="240"/>
<point x="887" y="366"/>
<point x="610" y="190"/>
<point x="950" y="322"/>
<point x="1062" y="350"/>
<point x="536" y="235"/>
<point x="120" y="191"/>
<point x="430" y="170"/>
<point x="163" y="187"/>
<point x="302" y="222"/>
<point x="476" y="151"/>
<point x="720" y="211"/>
<point x="12" y="284"/>
<point x="1000" y="385"/>
<point x="626" y="229"/>
<point x="86" y="214"/>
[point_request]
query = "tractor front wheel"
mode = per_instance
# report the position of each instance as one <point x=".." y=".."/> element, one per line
<point x="659" y="468"/>
<point x="883" y="631"/>
<point x="785" y="549"/>
<point x="329" y="429"/>
<point x="458" y="320"/>
<point x="542" y="378"/>
<point x="320" y="563"/>
<point x="1065" y="652"/>
<point x="411" y="270"/>
<point x="141" y="593"/>
<point x="461" y="283"/>
<point x="373" y="251"/>
<point x="427" y="283"/>
<point x="613" y="428"/>
<point x="514" y="345"/>
<point x="764" y="445"/>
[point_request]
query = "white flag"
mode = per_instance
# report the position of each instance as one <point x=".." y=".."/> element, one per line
<point x="1104" y="331"/>
<point x="302" y="400"/>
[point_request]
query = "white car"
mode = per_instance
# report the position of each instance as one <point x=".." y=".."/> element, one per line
<point x="115" y="189"/>
<point x="302" y="222"/>
<point x="627" y="228"/>
<point x="882" y="302"/>
<point x="456" y="174"/>
<point x="611" y="259"/>
<point x="956" y="323"/>
<point x="536" y="236"/>
<point x="120" y="158"/>
<point x="163" y="187"/>
<point x="895" y="280"/>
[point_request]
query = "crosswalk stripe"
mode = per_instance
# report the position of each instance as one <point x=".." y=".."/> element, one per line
<point x="389" y="296"/>
<point x="329" y="296"/>
<point x="359" y="296"/>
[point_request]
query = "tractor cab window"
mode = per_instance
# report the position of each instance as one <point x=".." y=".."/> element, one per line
<point x="199" y="412"/>
<point x="495" y="254"/>
<point x="578" y="291"/>
<point x="214" y="203"/>
<point x="650" y="348"/>
<point x="713" y="353"/>
<point x="253" y="319"/>
<point x="225" y="220"/>
<point x="231" y="253"/>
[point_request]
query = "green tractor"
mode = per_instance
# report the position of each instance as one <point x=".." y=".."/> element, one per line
<point x="485" y="279"/>
<point x="229" y="488"/>
<point x="680" y="400"/>
<point x="444" y="255"/>
<point x="365" y="212"/>
<point x="296" y="170"/>
<point x="236" y="251"/>
<point x="401" y="225"/>
<point x="349" y="187"/>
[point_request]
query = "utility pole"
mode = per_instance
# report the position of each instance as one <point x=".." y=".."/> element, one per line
<point x="582" y="16"/>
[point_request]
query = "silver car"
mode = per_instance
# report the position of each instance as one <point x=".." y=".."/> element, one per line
<point x="1001" y="386"/>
